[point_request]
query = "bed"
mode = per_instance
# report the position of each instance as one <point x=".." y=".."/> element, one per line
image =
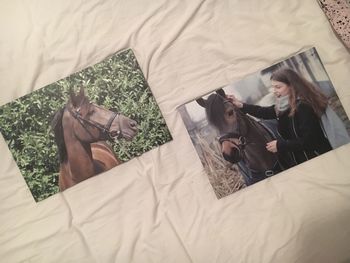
<point x="160" y="207"/>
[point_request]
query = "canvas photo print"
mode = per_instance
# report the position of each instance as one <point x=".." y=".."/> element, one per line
<point x="266" y="123"/>
<point x="83" y="125"/>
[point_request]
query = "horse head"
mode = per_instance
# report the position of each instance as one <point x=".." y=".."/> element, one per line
<point x="229" y="121"/>
<point x="222" y="114"/>
<point x="242" y="139"/>
<point x="93" y="123"/>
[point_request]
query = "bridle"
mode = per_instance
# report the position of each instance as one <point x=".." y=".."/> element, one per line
<point x="104" y="129"/>
<point x="241" y="157"/>
<point x="240" y="146"/>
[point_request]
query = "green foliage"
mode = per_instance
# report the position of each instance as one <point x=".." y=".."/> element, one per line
<point x="115" y="83"/>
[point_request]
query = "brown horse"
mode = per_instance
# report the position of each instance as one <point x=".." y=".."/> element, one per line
<point x="243" y="139"/>
<point x="81" y="129"/>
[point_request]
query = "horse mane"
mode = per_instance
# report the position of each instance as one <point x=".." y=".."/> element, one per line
<point x="56" y="125"/>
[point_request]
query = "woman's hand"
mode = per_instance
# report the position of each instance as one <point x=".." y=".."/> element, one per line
<point x="234" y="101"/>
<point x="272" y="146"/>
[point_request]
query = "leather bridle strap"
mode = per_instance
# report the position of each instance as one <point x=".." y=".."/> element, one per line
<point x="105" y="129"/>
<point x="239" y="146"/>
<point x="111" y="119"/>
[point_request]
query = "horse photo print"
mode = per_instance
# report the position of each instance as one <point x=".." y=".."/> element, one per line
<point x="83" y="125"/>
<point x="268" y="122"/>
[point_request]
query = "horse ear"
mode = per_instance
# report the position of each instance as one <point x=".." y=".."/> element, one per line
<point x="221" y="92"/>
<point x="202" y="102"/>
<point x="73" y="97"/>
<point x="80" y="98"/>
<point x="77" y="99"/>
<point x="82" y="92"/>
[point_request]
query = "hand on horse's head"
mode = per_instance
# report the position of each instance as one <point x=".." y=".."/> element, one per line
<point x="234" y="101"/>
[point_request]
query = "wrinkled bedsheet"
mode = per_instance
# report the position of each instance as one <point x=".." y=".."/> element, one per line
<point x="160" y="207"/>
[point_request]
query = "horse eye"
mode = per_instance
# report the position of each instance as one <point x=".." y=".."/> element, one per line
<point x="230" y="113"/>
<point x="91" y="111"/>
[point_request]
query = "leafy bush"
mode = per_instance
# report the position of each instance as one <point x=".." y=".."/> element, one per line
<point x="115" y="83"/>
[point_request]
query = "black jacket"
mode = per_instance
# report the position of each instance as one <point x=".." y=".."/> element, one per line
<point x="302" y="134"/>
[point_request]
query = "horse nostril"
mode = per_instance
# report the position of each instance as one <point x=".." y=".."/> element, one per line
<point x="133" y="124"/>
<point x="114" y="134"/>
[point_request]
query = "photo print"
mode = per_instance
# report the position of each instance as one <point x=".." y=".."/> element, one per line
<point x="83" y="125"/>
<point x="266" y="123"/>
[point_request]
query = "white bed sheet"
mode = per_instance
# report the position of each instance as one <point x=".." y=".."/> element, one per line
<point x="160" y="207"/>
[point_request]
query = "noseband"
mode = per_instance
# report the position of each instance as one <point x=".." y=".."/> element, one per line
<point x="240" y="146"/>
<point x="104" y="129"/>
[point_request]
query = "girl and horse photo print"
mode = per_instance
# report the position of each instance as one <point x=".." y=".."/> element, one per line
<point x="266" y="123"/>
<point x="83" y="125"/>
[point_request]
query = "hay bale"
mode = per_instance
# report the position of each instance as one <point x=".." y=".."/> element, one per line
<point x="224" y="177"/>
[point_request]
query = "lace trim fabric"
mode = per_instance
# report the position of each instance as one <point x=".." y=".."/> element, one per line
<point x="338" y="14"/>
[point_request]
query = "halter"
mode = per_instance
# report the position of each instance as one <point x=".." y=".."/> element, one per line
<point x="243" y="161"/>
<point x="104" y="129"/>
<point x="242" y="142"/>
<point x="240" y="146"/>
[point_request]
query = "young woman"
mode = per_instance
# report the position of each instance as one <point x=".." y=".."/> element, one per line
<point x="299" y="106"/>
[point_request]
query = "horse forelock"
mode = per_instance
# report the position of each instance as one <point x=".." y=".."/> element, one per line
<point x="77" y="101"/>
<point x="215" y="111"/>
<point x="56" y="125"/>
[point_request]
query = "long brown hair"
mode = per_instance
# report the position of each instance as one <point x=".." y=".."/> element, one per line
<point x="301" y="89"/>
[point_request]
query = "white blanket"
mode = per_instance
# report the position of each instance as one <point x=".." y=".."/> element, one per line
<point x="160" y="207"/>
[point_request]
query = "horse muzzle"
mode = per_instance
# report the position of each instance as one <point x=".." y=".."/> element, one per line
<point x="127" y="129"/>
<point x="129" y="135"/>
<point x="232" y="147"/>
<point x="234" y="156"/>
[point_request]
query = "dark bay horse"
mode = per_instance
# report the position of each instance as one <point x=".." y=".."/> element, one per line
<point x="242" y="138"/>
<point x="81" y="130"/>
